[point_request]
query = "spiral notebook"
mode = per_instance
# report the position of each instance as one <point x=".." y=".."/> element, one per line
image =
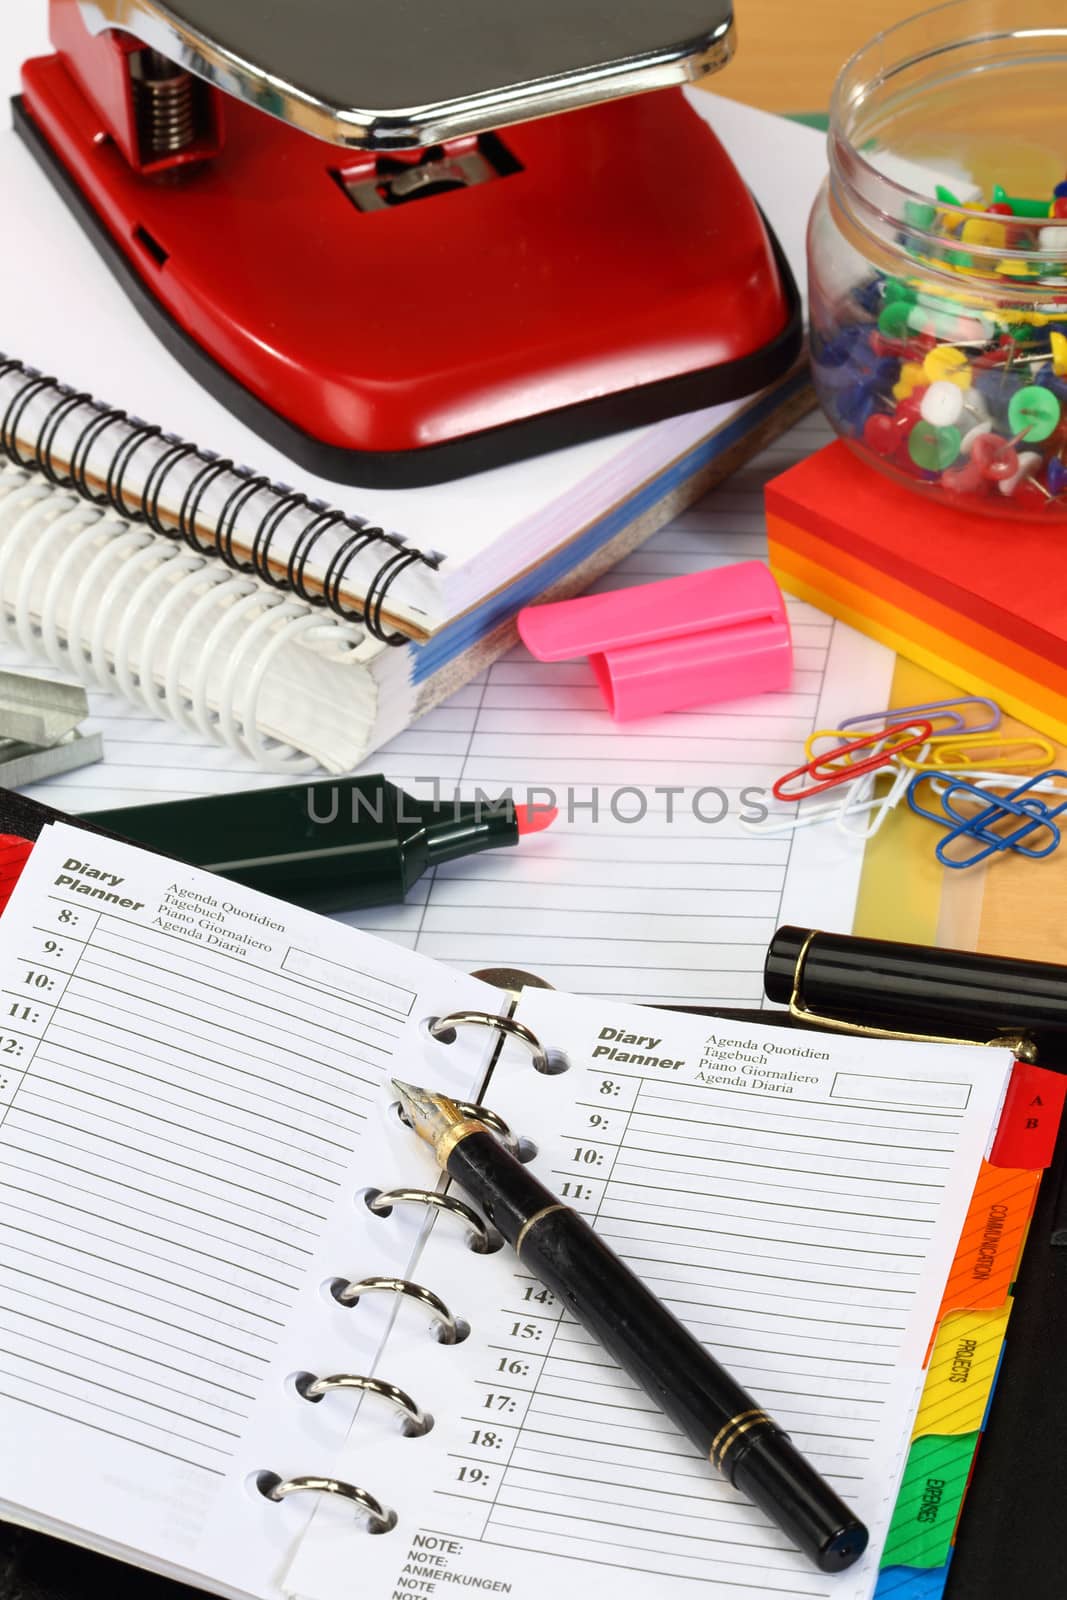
<point x="210" y="1206"/>
<point x="438" y="572"/>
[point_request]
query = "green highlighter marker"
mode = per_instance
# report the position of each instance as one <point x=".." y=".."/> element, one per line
<point x="335" y="845"/>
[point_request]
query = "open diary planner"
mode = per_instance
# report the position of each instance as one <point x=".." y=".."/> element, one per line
<point x="199" y="1158"/>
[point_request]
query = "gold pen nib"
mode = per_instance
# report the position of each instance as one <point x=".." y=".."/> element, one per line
<point x="430" y="1115"/>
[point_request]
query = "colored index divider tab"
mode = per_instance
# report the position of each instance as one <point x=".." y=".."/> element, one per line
<point x="991" y="1243"/>
<point x="1030" y="1118"/>
<point x="911" y="1583"/>
<point x="14" y="853"/>
<point x="928" y="1505"/>
<point x="961" y="1373"/>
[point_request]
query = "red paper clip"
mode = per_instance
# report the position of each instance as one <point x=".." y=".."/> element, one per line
<point x="887" y="748"/>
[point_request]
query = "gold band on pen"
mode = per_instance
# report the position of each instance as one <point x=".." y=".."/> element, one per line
<point x="537" y="1216"/>
<point x="449" y="1140"/>
<point x="731" y="1431"/>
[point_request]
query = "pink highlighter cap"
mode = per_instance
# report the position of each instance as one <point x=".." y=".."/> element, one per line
<point x="719" y="635"/>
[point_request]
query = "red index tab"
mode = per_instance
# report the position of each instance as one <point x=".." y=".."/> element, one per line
<point x="14" y="853"/>
<point x="1030" y="1120"/>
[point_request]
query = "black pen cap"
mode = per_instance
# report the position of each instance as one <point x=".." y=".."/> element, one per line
<point x="916" y="988"/>
<point x="772" y="1472"/>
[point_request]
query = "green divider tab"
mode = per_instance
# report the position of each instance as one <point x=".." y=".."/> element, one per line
<point x="928" y="1505"/>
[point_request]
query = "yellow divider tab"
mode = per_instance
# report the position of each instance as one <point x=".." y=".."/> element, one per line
<point x="960" y="1376"/>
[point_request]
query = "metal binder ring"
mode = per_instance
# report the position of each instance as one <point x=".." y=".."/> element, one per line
<point x="349" y="1294"/>
<point x="483" y="1239"/>
<point x="486" y="1019"/>
<point x="475" y="1113"/>
<point x="382" y="1518"/>
<point x="418" y="1421"/>
<point x="492" y="1119"/>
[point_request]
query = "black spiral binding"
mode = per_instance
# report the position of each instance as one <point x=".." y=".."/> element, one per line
<point x="146" y="504"/>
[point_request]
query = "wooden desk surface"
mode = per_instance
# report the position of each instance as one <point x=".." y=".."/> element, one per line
<point x="788" y="55"/>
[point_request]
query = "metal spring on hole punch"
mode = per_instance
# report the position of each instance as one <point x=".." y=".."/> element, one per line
<point x="165" y="98"/>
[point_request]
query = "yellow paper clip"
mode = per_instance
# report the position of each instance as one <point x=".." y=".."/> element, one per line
<point x="971" y="752"/>
<point x="833" y="757"/>
<point x="823" y="733"/>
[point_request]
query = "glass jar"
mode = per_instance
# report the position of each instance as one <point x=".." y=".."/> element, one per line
<point x="937" y="255"/>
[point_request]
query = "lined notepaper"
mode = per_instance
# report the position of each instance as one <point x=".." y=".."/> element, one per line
<point x="192" y="1098"/>
<point x="645" y="896"/>
<point x="795" y="1199"/>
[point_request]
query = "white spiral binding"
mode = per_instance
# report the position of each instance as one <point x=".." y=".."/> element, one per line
<point x="177" y="594"/>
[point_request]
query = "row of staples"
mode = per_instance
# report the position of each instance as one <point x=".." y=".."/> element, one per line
<point x="946" y="759"/>
<point x="967" y="1346"/>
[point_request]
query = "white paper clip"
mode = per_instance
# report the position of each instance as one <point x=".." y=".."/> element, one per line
<point x="857" y="799"/>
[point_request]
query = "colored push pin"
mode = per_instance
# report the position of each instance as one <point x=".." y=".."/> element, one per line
<point x="1034" y="413"/>
<point x="934" y="448"/>
<point x="1058" y="344"/>
<point x="949" y="365"/>
<point x="1056" y="477"/>
<point x="881" y="433"/>
<point x="994" y="457"/>
<point x="942" y="404"/>
<point x="893" y="322"/>
<point x="1029" y="466"/>
<point x="912" y="376"/>
<point x="965" y="479"/>
<point x="983" y="426"/>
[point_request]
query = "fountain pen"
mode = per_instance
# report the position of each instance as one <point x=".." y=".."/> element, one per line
<point x="725" y="1423"/>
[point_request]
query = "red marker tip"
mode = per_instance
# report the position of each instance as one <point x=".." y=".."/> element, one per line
<point x="534" y="819"/>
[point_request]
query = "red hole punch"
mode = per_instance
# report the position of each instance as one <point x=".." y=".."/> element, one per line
<point x="888" y="746"/>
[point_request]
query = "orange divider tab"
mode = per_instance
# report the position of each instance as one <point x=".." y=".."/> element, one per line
<point x="1030" y="1118"/>
<point x="992" y="1240"/>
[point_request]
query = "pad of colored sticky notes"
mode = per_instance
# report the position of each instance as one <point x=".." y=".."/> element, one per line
<point x="973" y="598"/>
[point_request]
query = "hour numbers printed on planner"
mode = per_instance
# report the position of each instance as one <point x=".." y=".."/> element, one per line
<point x="794" y="1199"/>
<point x="194" y="1082"/>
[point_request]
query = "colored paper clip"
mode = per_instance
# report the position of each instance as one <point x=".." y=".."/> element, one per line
<point x="857" y="800"/>
<point x="855" y="797"/>
<point x="965" y="751"/>
<point x="1022" y="803"/>
<point x="874" y="810"/>
<point x="951" y="709"/>
<point x="885" y="744"/>
<point x="992" y="781"/>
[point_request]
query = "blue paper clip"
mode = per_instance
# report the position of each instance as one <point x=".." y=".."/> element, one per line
<point x="952" y="710"/>
<point x="1029" y="808"/>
